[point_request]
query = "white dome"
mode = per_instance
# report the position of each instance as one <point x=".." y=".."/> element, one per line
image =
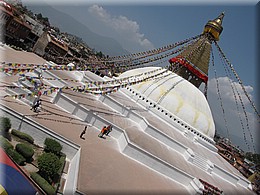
<point x="179" y="97"/>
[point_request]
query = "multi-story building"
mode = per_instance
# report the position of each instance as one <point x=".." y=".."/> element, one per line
<point x="15" y="28"/>
<point x="36" y="31"/>
<point x="50" y="47"/>
<point x="5" y="16"/>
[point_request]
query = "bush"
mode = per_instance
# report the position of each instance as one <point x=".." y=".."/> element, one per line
<point x="5" y="144"/>
<point x="43" y="183"/>
<point x="25" y="150"/>
<point x="62" y="162"/>
<point x="48" y="164"/>
<point x="52" y="146"/>
<point x="57" y="177"/>
<point x="18" y="158"/>
<point x="5" y="124"/>
<point x="23" y="136"/>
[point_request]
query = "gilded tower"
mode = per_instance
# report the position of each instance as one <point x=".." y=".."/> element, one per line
<point x="193" y="62"/>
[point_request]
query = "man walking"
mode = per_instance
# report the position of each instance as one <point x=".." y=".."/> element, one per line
<point x="83" y="132"/>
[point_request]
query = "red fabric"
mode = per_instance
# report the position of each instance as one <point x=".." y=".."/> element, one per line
<point x="4" y="158"/>
<point x="186" y="64"/>
<point x="104" y="130"/>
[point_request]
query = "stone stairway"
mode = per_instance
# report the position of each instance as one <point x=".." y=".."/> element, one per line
<point x="200" y="162"/>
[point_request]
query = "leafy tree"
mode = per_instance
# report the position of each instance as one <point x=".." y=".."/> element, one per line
<point x="44" y="20"/>
<point x="53" y="146"/>
<point x="48" y="164"/>
<point x="39" y="16"/>
<point x="99" y="54"/>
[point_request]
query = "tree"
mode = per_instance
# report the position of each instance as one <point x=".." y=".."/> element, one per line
<point x="48" y="164"/>
<point x="52" y="146"/>
<point x="44" y="20"/>
<point x="39" y="16"/>
<point x="99" y="54"/>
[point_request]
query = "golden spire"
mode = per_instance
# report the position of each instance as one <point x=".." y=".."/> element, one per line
<point x="214" y="27"/>
<point x="193" y="61"/>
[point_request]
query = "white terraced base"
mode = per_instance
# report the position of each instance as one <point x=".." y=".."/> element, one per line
<point x="149" y="135"/>
<point x="132" y="147"/>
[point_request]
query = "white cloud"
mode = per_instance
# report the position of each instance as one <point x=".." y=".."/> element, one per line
<point x="126" y="31"/>
<point x="226" y="90"/>
<point x="99" y="12"/>
<point x="231" y="114"/>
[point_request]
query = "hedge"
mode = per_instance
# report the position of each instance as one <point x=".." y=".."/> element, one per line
<point x="59" y="172"/>
<point x="52" y="146"/>
<point x="5" y="124"/>
<point x="5" y="144"/>
<point x="43" y="183"/>
<point x="18" y="158"/>
<point x="25" y="150"/>
<point x="62" y="162"/>
<point x="23" y="136"/>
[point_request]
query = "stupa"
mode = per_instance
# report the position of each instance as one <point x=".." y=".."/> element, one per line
<point x="163" y="129"/>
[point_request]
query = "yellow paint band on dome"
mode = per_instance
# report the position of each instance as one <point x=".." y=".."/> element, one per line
<point x="161" y="93"/>
<point x="195" y="118"/>
<point x="139" y="86"/>
<point x="180" y="105"/>
<point x="209" y="125"/>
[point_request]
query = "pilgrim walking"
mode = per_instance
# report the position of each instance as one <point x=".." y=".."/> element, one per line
<point x="83" y="132"/>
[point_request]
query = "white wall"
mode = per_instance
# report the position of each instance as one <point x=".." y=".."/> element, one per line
<point x="38" y="132"/>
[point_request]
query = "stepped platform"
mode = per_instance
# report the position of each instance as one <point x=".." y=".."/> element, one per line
<point x="145" y="152"/>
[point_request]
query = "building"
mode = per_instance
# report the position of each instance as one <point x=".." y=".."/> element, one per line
<point x="163" y="129"/>
<point x="23" y="31"/>
<point x="50" y="47"/>
<point x="15" y="28"/>
<point x="36" y="31"/>
<point x="5" y="14"/>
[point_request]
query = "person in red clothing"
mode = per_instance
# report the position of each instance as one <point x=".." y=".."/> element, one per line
<point x="103" y="131"/>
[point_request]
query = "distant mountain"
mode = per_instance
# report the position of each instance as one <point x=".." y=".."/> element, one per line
<point x="66" y="23"/>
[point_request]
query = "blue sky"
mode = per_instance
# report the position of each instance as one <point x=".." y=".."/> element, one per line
<point x="143" y="25"/>
<point x="163" y="25"/>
